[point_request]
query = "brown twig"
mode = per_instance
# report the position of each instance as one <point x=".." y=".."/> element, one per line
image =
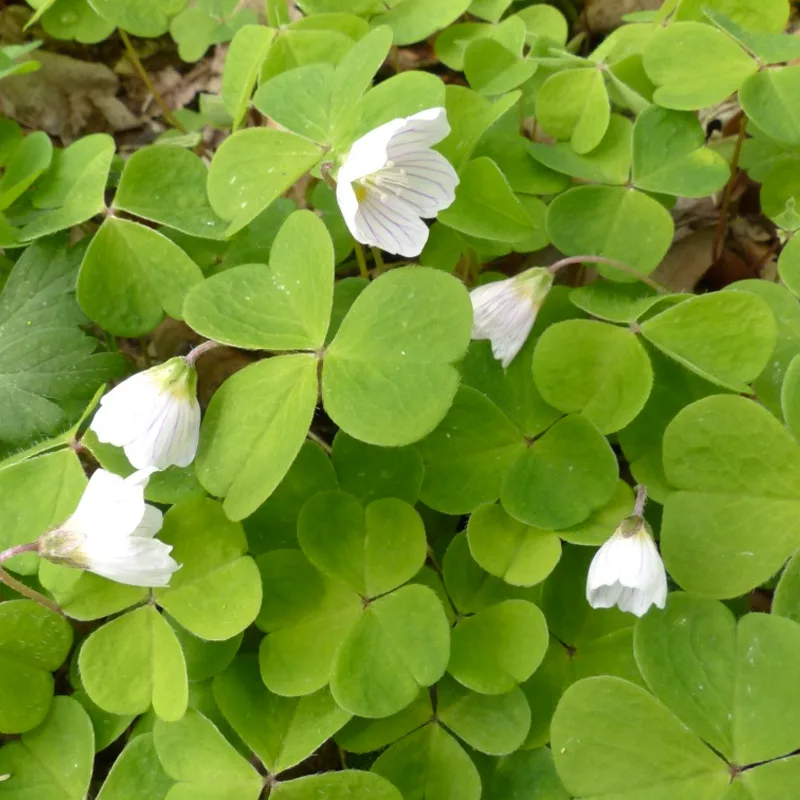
<point x="722" y="222"/>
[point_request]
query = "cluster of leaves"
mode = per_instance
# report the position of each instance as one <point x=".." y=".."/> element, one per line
<point x="340" y="593"/>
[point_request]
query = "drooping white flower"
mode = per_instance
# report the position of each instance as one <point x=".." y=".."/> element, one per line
<point x="504" y="311"/>
<point x="153" y="416"/>
<point x="391" y="179"/>
<point x="627" y="571"/>
<point x="111" y="533"/>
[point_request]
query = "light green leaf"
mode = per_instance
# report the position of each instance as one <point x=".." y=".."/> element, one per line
<point x="414" y="20"/>
<point x="55" y="760"/>
<point x="84" y="596"/>
<point x="573" y="104"/>
<point x="468" y="454"/>
<point x="299" y="48"/>
<point x="72" y="190"/>
<point x="401" y="643"/>
<point x="371" y="472"/>
<point x="595" y="368"/>
<point x="37" y="494"/>
<point x="299" y="100"/>
<point x="273" y="525"/>
<point x="619" y="302"/>
<point x="255" y="425"/>
<point x="308" y="617"/>
<point x="148" y="18"/>
<point x="786" y="600"/>
<point x="506" y="548"/>
<point x="286" y="306"/>
<point x="253" y="168"/>
<point x="527" y="774"/>
<point x="564" y="476"/>
<point x="217" y="592"/>
<point x="612" y="738"/>
<point x="205" y="659"/>
<point x="609" y="162"/>
<point x="725" y="338"/>
<point x="490" y="10"/>
<point x="27" y="161"/>
<point x="492" y="724"/>
<point x="281" y="731"/>
<point x="767" y="98"/>
<point x="387" y="377"/>
<point x="430" y="764"/>
<point x="614" y="222"/>
<point x="733" y="521"/>
<point x="137" y="773"/>
<point x="362" y="735"/>
<point x="373" y="549"/>
<point x="789" y="265"/>
<point x="247" y="52"/>
<point x="497" y="649"/>
<point x="131" y="275"/>
<point x="493" y="69"/>
<point x="348" y="784"/>
<point x="167" y="185"/>
<point x="485" y="205"/>
<point x="196" y="755"/>
<point x="695" y="65"/>
<point x="669" y="155"/>
<point x="546" y="22"/>
<point x="135" y="662"/>
<point x="34" y="642"/>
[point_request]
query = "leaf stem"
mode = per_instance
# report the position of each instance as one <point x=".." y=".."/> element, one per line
<point x="20" y="587"/>
<point x="565" y="262"/>
<point x="142" y="72"/>
<point x="722" y="222"/>
<point x="362" y="261"/>
<point x="195" y="353"/>
<point x="320" y="441"/>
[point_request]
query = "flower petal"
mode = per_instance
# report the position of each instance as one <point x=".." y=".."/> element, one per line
<point x="136" y="561"/>
<point x="110" y="507"/>
<point x="424" y="129"/>
<point x="127" y="410"/>
<point x="385" y="222"/>
<point x="427" y="183"/>
<point x="504" y="315"/>
<point x="369" y="153"/>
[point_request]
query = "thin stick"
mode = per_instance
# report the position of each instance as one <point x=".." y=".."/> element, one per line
<point x="722" y="222"/>
<point x="142" y="72"/>
<point x="362" y="261"/>
<point x="379" y="265"/>
<point x="320" y="441"/>
<point x="20" y="587"/>
<point x="195" y="353"/>
<point x="641" y="500"/>
<point x="565" y="262"/>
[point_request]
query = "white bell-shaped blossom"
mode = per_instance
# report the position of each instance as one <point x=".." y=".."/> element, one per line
<point x="391" y="179"/>
<point x="627" y="571"/>
<point x="504" y="311"/>
<point x="153" y="416"/>
<point x="111" y="533"/>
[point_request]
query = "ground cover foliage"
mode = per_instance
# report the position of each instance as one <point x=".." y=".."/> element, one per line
<point x="385" y="534"/>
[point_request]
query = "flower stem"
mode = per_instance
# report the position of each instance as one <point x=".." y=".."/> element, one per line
<point x="641" y="500"/>
<point x="20" y="587"/>
<point x="195" y="353"/>
<point x="362" y="261"/>
<point x="376" y="254"/>
<point x="565" y="262"/>
<point x="142" y="72"/>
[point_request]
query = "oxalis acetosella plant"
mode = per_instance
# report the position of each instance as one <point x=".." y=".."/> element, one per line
<point x="409" y="411"/>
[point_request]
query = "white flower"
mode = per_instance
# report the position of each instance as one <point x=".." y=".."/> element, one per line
<point x="153" y="416"/>
<point x="391" y="179"/>
<point x="111" y="533"/>
<point x="627" y="571"/>
<point x="504" y="311"/>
